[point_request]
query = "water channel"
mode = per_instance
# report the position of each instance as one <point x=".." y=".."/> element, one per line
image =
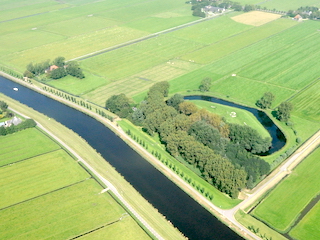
<point x="188" y="216"/>
<point x="278" y="138"/>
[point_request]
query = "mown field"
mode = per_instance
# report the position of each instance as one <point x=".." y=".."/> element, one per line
<point x="284" y="204"/>
<point x="308" y="227"/>
<point x="47" y="194"/>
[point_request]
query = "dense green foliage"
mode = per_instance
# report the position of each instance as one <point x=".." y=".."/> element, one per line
<point x="205" y="85"/>
<point x="61" y="69"/>
<point x="119" y="104"/>
<point x="283" y="111"/>
<point x="222" y="152"/>
<point x="265" y="101"/>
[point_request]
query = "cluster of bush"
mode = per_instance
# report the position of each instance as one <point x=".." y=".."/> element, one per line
<point x="59" y="69"/>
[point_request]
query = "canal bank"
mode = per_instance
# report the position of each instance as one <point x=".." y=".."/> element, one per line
<point x="184" y="213"/>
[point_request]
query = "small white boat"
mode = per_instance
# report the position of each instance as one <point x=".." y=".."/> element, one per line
<point x="15" y="89"/>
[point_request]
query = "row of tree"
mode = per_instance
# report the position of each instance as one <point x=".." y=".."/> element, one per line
<point x="60" y="70"/>
<point x="282" y="112"/>
<point x="222" y="152"/>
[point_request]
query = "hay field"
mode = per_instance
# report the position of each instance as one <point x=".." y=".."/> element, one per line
<point x="256" y="18"/>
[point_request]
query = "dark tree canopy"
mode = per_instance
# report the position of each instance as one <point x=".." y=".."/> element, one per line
<point x="205" y="85"/>
<point x="58" y="73"/>
<point x="265" y="101"/>
<point x="162" y="87"/>
<point x="249" y="138"/>
<point x="74" y="70"/>
<point x="283" y="111"/>
<point x="119" y="104"/>
<point x="175" y="100"/>
<point x="59" y="61"/>
<point x="3" y="105"/>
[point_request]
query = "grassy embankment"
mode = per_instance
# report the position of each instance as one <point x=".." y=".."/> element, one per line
<point x="155" y="219"/>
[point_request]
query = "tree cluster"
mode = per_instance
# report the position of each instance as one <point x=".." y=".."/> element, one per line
<point x="306" y="12"/>
<point x="224" y="153"/>
<point x="71" y="68"/>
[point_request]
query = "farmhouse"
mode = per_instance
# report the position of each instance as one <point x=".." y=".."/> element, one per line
<point x="52" y="67"/>
<point x="211" y="10"/>
<point x="297" y="17"/>
<point x="15" y="121"/>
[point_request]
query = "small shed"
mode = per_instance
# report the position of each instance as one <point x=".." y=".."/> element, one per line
<point x="298" y="18"/>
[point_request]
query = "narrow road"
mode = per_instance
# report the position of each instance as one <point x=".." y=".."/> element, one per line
<point x="109" y="185"/>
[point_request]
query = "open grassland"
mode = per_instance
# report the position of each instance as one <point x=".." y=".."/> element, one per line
<point x="126" y="229"/>
<point x="25" y="144"/>
<point x="308" y="227"/>
<point x="247" y="91"/>
<point x="152" y="216"/>
<point x="243" y="117"/>
<point x="280" y="210"/>
<point x="306" y="103"/>
<point x="227" y="46"/>
<point x="62" y="214"/>
<point x="39" y="175"/>
<point x="82" y="27"/>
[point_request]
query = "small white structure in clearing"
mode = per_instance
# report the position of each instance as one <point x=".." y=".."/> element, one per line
<point x="34" y="29"/>
<point x="213" y="106"/>
<point x="244" y="123"/>
<point x="233" y="75"/>
<point x="90" y="15"/>
<point x="233" y="114"/>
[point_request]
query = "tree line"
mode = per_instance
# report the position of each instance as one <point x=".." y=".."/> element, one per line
<point x="224" y="153"/>
<point x="60" y="70"/>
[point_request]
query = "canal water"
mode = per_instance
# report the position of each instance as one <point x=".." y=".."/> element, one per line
<point x="188" y="216"/>
<point x="278" y="138"/>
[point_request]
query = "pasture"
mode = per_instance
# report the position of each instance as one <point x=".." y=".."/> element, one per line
<point x="24" y="145"/>
<point x="47" y="194"/>
<point x="308" y="227"/>
<point x="62" y="214"/>
<point x="38" y="175"/>
<point x="280" y="210"/>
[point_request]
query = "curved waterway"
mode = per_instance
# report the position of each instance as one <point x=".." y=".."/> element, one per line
<point x="188" y="216"/>
<point x="278" y="138"/>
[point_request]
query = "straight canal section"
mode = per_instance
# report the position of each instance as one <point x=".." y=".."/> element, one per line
<point x="194" y="221"/>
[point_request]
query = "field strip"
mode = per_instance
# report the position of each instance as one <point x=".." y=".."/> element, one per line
<point x="27" y="200"/>
<point x="109" y="49"/>
<point x="29" y="158"/>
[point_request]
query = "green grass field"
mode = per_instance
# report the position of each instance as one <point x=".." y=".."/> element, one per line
<point x="280" y="210"/>
<point x="25" y="144"/>
<point x="242" y="117"/>
<point x="308" y="227"/>
<point x="63" y="214"/>
<point x="38" y="175"/>
<point x="49" y="195"/>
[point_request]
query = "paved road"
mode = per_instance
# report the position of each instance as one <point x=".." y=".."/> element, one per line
<point x="109" y="185"/>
